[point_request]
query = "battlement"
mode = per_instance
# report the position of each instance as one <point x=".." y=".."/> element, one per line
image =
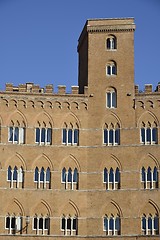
<point x="48" y="89"/>
<point x="148" y="89"/>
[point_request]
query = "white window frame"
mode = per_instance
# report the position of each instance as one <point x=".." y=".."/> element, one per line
<point x="71" y="231"/>
<point x="39" y="182"/>
<point x="114" y="183"/>
<point x="20" y="177"/>
<point x="113" y="69"/>
<point x="38" y="230"/>
<point x="68" y="183"/>
<point x="112" y="95"/>
<point x="20" y="137"/>
<point x="113" y="231"/>
<point x="113" y="143"/>
<point x="112" y="43"/>
<point x="145" y="129"/>
<point x="149" y="231"/>
<point x="65" y="140"/>
<point x="149" y="184"/>
<point x="45" y="142"/>
<point x="18" y="223"/>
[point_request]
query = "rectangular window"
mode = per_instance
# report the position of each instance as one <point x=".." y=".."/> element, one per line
<point x="109" y="100"/>
<point x="105" y="224"/>
<point x="46" y="224"/>
<point x="37" y="135"/>
<point x="105" y="137"/>
<point x="142" y="135"/>
<point x="76" y="134"/>
<point x="64" y="137"/>
<point x="70" y="136"/>
<point x="35" y="223"/>
<point x="43" y="132"/>
<point x="74" y="224"/>
<point x="111" y="136"/>
<point x="11" y="134"/>
<point x="154" y="135"/>
<point x="49" y="135"/>
<point x="117" y="136"/>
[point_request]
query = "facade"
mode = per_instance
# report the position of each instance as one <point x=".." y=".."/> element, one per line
<point x="85" y="164"/>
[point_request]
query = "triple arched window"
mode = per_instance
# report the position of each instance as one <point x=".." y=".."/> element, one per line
<point x="149" y="178"/>
<point x="16" y="177"/>
<point x="16" y="133"/>
<point x="148" y="133"/>
<point x="70" y="134"/>
<point x="42" y="177"/>
<point x="111" y="178"/>
<point x="69" y="225"/>
<point x="150" y="224"/>
<point x="13" y="224"/>
<point x="43" y="134"/>
<point x="111" y="134"/>
<point x="111" y="224"/>
<point x="41" y="224"/>
<point x="70" y="178"/>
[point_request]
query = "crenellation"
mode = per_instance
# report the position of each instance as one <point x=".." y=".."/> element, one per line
<point x="75" y="89"/>
<point x="61" y="89"/>
<point x="49" y="88"/>
<point x="148" y="88"/>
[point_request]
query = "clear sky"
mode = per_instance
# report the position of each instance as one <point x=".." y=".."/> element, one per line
<point x="38" y="38"/>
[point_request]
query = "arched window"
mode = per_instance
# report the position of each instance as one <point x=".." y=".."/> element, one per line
<point x="149" y="178"/>
<point x="111" y="98"/>
<point x="111" y="178"/>
<point x="70" y="135"/>
<point x="70" y="178"/>
<point x="149" y="133"/>
<point x="150" y="224"/>
<point x="69" y="225"/>
<point x="16" y="134"/>
<point x="41" y="225"/>
<point x="42" y="178"/>
<point x="111" y="135"/>
<point x="111" y="225"/>
<point x="111" y="43"/>
<point x="43" y="135"/>
<point x="111" y="69"/>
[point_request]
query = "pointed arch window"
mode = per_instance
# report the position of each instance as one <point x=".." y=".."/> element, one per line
<point x="41" y="224"/>
<point x="111" y="135"/>
<point x="149" y="178"/>
<point x="43" y="136"/>
<point x="149" y="133"/>
<point x="69" y="225"/>
<point x="70" y="136"/>
<point x="13" y="224"/>
<point x="15" y="177"/>
<point x="111" y="225"/>
<point x="16" y="135"/>
<point x="111" y="178"/>
<point x="150" y="224"/>
<point x="70" y="178"/>
<point x="42" y="178"/>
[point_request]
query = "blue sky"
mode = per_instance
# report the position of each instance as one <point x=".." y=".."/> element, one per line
<point x="38" y="38"/>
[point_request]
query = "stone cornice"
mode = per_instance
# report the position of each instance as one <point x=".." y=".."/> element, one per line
<point x="111" y="28"/>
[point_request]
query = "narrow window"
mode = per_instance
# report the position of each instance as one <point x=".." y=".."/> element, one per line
<point x="63" y="226"/>
<point x="49" y="135"/>
<point x="42" y="175"/>
<point x="64" y="136"/>
<point x="70" y="136"/>
<point x="43" y="133"/>
<point x="15" y="174"/>
<point x="37" y="135"/>
<point x="75" y="175"/>
<point x="8" y="222"/>
<point x="9" y="175"/>
<point x="35" y="222"/>
<point x="64" y="175"/>
<point x="36" y="174"/>
<point x="76" y="133"/>
<point x="41" y="223"/>
<point x="68" y="223"/>
<point x="105" y="136"/>
<point x="69" y="175"/>
<point x="48" y="175"/>
<point x="105" y="176"/>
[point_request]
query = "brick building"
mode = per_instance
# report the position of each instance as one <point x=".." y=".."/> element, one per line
<point x="85" y="164"/>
